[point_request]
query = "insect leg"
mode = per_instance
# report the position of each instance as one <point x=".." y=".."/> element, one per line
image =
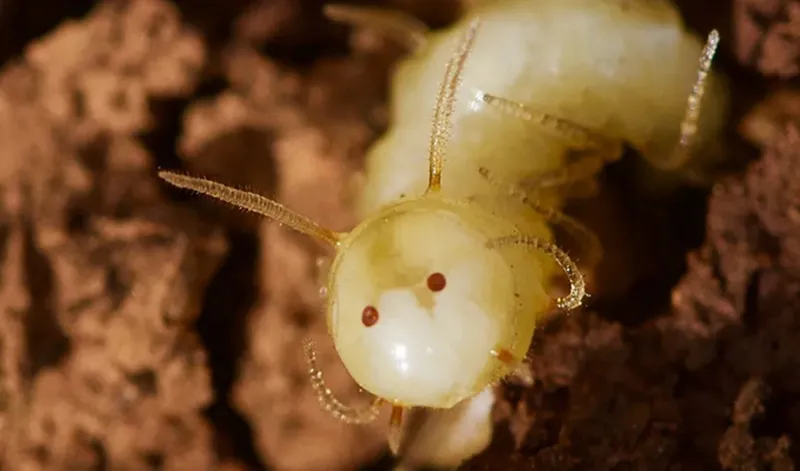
<point x="581" y="167"/>
<point x="591" y="150"/>
<point x="578" y="136"/>
<point x="329" y="402"/>
<point x="591" y="246"/>
<point x="587" y="240"/>
<point x="398" y="25"/>
<point x="577" y="284"/>
<point x="395" y="429"/>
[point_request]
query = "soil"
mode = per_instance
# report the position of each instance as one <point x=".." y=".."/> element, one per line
<point x="144" y="328"/>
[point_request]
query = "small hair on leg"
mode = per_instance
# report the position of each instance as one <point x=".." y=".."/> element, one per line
<point x="398" y="25"/>
<point x="577" y="284"/>
<point x="581" y="234"/>
<point x="349" y="415"/>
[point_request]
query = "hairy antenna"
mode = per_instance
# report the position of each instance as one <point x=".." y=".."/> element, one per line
<point x="329" y="402"/>
<point x="252" y="202"/>
<point x="445" y="102"/>
<point x="689" y="124"/>
<point x="577" y="290"/>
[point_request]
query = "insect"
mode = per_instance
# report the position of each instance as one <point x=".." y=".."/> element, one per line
<point x="435" y="294"/>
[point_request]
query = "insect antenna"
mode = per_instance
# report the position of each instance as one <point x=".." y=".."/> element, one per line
<point x="445" y="101"/>
<point x="689" y="124"/>
<point x="252" y="202"/>
<point x="346" y="414"/>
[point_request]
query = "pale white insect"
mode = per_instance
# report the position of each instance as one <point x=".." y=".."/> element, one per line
<point x="435" y="295"/>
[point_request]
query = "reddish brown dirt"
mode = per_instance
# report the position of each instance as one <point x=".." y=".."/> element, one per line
<point x="146" y="329"/>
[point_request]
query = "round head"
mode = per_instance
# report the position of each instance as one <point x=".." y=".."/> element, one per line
<point x="418" y="304"/>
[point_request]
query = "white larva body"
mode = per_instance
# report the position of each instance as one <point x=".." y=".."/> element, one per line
<point x="435" y="295"/>
<point x="443" y="439"/>
<point x="621" y="68"/>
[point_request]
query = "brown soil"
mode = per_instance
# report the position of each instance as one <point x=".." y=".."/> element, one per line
<point x="143" y="328"/>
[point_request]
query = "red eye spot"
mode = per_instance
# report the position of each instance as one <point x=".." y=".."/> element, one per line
<point x="436" y="282"/>
<point x="369" y="316"/>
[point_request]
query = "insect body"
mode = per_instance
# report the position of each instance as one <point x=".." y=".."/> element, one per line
<point x="554" y="89"/>
<point x="436" y="293"/>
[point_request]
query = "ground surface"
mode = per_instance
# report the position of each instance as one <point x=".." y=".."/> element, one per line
<point x="146" y="329"/>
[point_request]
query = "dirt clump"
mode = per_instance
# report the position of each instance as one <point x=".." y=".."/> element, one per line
<point x="102" y="277"/>
<point x="768" y="36"/>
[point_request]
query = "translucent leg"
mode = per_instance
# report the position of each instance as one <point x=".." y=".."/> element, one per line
<point x="590" y="150"/>
<point x="396" y="429"/>
<point x="589" y="247"/>
<point x="397" y="25"/>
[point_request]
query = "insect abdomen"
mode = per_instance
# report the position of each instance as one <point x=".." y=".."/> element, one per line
<point x="621" y="68"/>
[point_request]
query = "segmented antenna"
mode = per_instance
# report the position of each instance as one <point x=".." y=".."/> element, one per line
<point x="445" y="101"/>
<point x="252" y="202"/>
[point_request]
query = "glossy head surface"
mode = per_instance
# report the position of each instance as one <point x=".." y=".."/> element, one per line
<point x="418" y="303"/>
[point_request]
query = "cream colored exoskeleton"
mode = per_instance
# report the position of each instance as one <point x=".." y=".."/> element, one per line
<point x="435" y="295"/>
<point x="620" y="68"/>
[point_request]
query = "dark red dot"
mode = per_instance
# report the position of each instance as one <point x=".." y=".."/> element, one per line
<point x="436" y="282"/>
<point x="369" y="316"/>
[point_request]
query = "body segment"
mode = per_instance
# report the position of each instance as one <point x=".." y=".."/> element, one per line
<point x="622" y="69"/>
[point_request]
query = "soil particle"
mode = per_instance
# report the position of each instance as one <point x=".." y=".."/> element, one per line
<point x="305" y="159"/>
<point x="768" y="36"/>
<point x="708" y="385"/>
<point x="101" y="275"/>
